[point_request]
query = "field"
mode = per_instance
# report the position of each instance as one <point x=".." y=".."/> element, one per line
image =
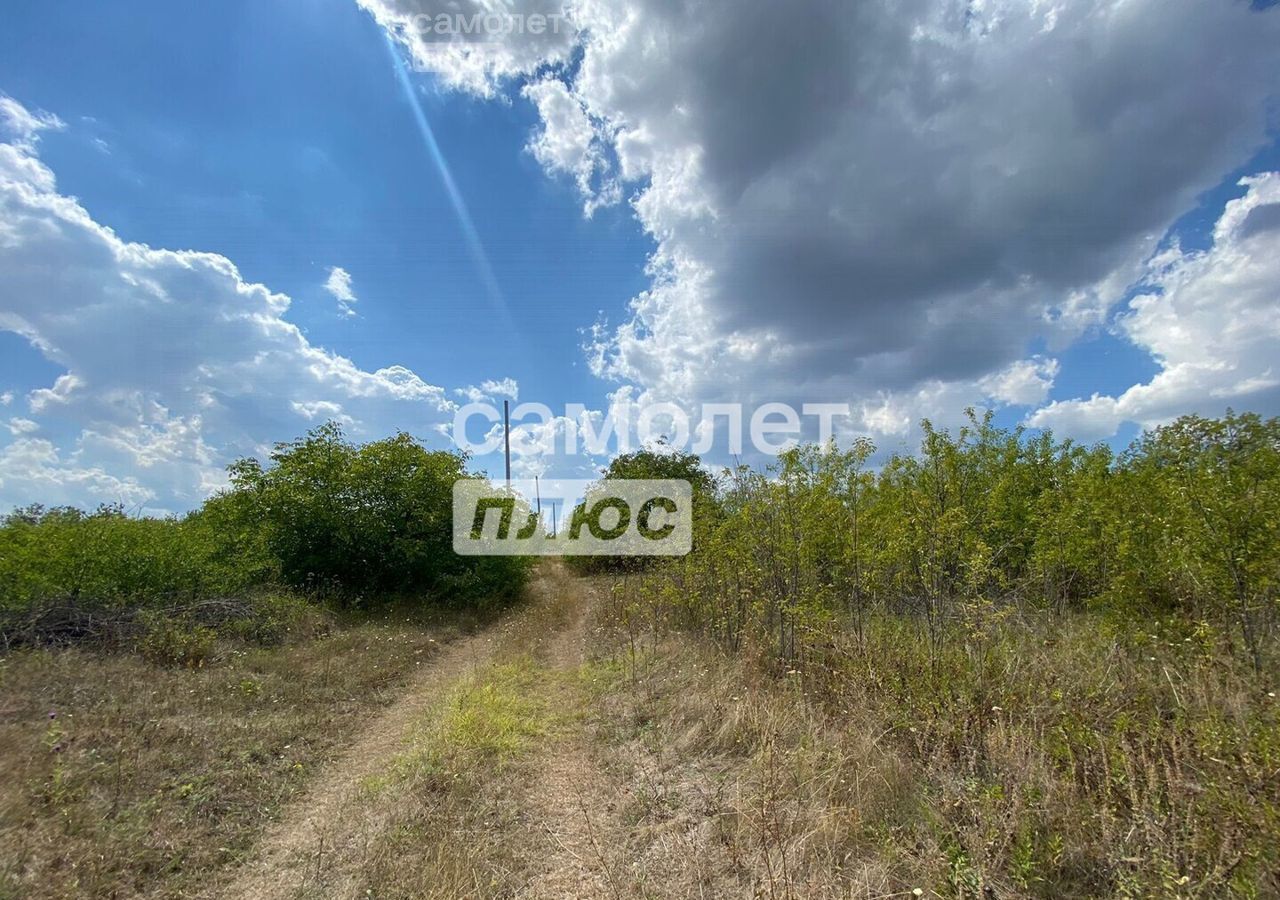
<point x="1001" y="668"/>
<point x="556" y="752"/>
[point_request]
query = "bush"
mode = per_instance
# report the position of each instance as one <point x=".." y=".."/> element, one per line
<point x="978" y="524"/>
<point x="1073" y="651"/>
<point x="662" y="463"/>
<point x="357" y="522"/>
<point x="108" y="559"/>
<point x="276" y="617"/>
<point x="175" y="641"/>
<point x="332" y="520"/>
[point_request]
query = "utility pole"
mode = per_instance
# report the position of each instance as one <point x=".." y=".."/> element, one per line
<point x="506" y="427"/>
<point x="537" y="490"/>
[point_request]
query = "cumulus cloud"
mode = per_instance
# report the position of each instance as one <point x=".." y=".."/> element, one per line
<point x="506" y="387"/>
<point x="339" y="286"/>
<point x="567" y="142"/>
<point x="1024" y="383"/>
<point x="1210" y="318"/>
<point x="33" y="471"/>
<point x="540" y="448"/>
<point x="60" y="394"/>
<point x="24" y="126"/>
<point x="173" y="363"/>
<point x="489" y="390"/>
<point x="881" y="202"/>
<point x="319" y="410"/>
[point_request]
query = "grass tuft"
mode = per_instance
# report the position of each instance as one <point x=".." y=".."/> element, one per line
<point x="484" y="722"/>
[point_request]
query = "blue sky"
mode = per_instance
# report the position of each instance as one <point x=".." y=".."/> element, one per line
<point x="972" y="232"/>
<point x="276" y="135"/>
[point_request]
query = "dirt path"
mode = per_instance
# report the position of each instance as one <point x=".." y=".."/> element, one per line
<point x="332" y="814"/>
<point x="572" y="801"/>
<point x="567" y="802"/>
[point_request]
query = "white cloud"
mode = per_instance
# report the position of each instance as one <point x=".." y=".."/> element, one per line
<point x="487" y="390"/>
<point x="1211" y="319"/>
<point x="23" y="125"/>
<point x="884" y="203"/>
<point x="19" y="425"/>
<point x="318" y="410"/>
<point x="538" y="449"/>
<point x="1024" y="383"/>
<point x="339" y="285"/>
<point x="173" y="364"/>
<point x="33" y="471"/>
<point x="60" y="394"/>
<point x="6" y="398"/>
<point x="507" y="387"/>
<point x="567" y="142"/>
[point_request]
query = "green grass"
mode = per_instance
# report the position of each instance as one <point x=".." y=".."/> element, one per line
<point x="487" y="720"/>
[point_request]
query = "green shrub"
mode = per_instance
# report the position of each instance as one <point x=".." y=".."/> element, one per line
<point x="332" y="520"/>
<point x="357" y="522"/>
<point x="988" y="522"/>
<point x="1074" y="651"/>
<point x="109" y="559"/>
<point x="662" y="463"/>
<point x="175" y="641"/>
<point x="277" y="617"/>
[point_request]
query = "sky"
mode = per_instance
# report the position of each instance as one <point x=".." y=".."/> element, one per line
<point x="223" y="225"/>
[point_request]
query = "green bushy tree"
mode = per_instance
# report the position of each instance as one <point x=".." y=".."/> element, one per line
<point x="654" y="464"/>
<point x="323" y="515"/>
<point x="358" y="521"/>
<point x="1217" y="486"/>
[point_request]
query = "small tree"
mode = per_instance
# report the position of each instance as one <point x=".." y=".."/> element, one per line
<point x="358" y="521"/>
<point x="1223" y="476"/>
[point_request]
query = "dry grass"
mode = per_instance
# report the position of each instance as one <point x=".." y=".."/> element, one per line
<point x="587" y="753"/>
<point x="454" y="798"/>
<point x="1085" y="762"/>
<point x="123" y="778"/>
<point x="736" y="788"/>
<point x="499" y="792"/>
